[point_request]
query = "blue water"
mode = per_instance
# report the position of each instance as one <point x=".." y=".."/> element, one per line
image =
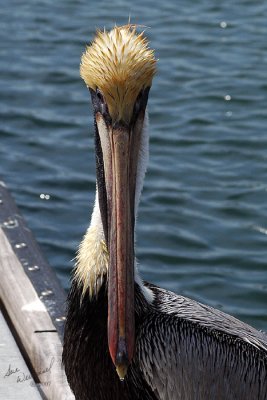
<point x="202" y="226"/>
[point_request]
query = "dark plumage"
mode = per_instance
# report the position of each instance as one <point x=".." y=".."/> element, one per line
<point x="89" y="368"/>
<point x="184" y="351"/>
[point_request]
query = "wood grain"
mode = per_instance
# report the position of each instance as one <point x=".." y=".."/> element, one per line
<point x="33" y="324"/>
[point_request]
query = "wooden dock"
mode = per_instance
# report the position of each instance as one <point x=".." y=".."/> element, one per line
<point x="32" y="314"/>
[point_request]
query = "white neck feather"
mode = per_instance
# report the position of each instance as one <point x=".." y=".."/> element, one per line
<point x="92" y="258"/>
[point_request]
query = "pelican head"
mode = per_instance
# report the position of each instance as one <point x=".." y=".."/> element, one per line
<point x="118" y="68"/>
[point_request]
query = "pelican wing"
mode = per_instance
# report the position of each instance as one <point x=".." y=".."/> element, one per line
<point x="188" y="351"/>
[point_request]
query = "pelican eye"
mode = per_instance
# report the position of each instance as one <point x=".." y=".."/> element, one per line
<point x="100" y="105"/>
<point x="140" y="103"/>
<point x="100" y="96"/>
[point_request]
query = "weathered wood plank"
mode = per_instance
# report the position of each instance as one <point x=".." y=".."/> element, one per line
<point x="33" y="324"/>
<point x="33" y="300"/>
<point x="24" y="245"/>
<point x="15" y="378"/>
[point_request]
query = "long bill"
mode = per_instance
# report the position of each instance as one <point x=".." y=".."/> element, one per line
<point x="120" y="145"/>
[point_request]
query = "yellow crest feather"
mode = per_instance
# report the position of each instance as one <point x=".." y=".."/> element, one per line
<point x="120" y="64"/>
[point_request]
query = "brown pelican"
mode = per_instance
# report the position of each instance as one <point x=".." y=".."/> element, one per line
<point x="125" y="338"/>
